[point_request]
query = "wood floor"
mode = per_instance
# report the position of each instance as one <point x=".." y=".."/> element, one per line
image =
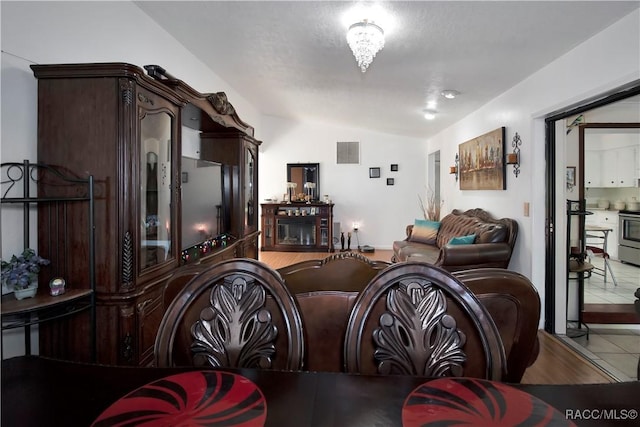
<point x="557" y="363"/>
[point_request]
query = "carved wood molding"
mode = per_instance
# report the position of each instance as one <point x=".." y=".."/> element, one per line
<point x="416" y="335"/>
<point x="347" y="255"/>
<point x="127" y="260"/>
<point x="236" y="330"/>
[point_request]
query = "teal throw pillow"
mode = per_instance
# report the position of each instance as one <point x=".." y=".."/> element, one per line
<point x="424" y="231"/>
<point x="463" y="240"/>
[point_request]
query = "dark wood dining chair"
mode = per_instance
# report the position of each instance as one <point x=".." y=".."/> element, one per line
<point x="343" y="271"/>
<point x="417" y="319"/>
<point x="326" y="290"/>
<point x="237" y="313"/>
<point x="178" y="280"/>
<point x="514" y="305"/>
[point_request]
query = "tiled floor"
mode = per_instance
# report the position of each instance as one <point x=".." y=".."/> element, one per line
<point x="616" y="351"/>
<point x="614" y="348"/>
<point x="596" y="291"/>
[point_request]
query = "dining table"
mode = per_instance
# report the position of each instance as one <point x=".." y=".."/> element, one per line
<point x="40" y="391"/>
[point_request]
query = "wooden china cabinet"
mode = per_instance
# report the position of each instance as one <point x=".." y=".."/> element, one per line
<point x="126" y="128"/>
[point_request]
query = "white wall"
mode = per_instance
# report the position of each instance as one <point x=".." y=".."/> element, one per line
<point x="606" y="61"/>
<point x="382" y="211"/>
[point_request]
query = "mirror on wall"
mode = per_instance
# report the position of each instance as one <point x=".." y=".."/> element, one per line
<point x="305" y="181"/>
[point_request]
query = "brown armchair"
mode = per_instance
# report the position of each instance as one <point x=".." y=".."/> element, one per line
<point x="344" y="271"/>
<point x="326" y="290"/>
<point x="514" y="305"/>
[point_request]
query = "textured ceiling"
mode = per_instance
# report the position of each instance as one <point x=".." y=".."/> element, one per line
<point x="291" y="59"/>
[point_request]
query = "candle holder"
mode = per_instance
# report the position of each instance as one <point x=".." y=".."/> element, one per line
<point x="291" y="186"/>
<point x="514" y="158"/>
<point x="453" y="170"/>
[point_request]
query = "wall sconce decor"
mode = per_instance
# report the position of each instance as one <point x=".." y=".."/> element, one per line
<point x="514" y="158"/>
<point x="453" y="170"/>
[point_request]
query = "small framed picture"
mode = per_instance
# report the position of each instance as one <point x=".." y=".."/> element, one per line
<point x="571" y="176"/>
<point x="394" y="168"/>
<point x="312" y="211"/>
<point x="374" y="172"/>
<point x="390" y="181"/>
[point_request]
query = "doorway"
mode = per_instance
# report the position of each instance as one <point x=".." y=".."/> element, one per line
<point x="433" y="178"/>
<point x="556" y="199"/>
<point x="557" y="126"/>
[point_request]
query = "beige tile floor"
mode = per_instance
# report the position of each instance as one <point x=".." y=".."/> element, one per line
<point x="597" y="291"/>
<point x="614" y="348"/>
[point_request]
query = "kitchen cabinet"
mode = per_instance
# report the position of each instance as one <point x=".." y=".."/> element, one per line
<point x="592" y="168"/>
<point x="125" y="127"/>
<point x="619" y="167"/>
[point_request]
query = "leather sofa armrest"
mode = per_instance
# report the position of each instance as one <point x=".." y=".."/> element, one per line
<point x="474" y="254"/>
<point x="409" y="230"/>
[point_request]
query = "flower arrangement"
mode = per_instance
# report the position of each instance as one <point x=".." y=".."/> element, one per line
<point x="23" y="269"/>
<point x="432" y="209"/>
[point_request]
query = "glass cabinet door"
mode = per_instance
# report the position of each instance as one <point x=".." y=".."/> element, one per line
<point x="156" y="130"/>
<point x="249" y="191"/>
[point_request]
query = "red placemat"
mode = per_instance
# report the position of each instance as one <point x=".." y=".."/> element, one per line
<point x="197" y="398"/>
<point x="475" y="402"/>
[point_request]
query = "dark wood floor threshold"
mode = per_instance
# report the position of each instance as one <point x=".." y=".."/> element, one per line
<point x="610" y="313"/>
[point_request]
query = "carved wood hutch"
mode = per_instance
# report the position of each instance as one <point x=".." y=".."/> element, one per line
<point x="131" y="131"/>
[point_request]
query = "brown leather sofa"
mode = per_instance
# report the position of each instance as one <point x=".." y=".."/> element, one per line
<point x="492" y="247"/>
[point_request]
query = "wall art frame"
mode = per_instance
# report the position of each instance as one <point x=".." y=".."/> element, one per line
<point x="374" y="172"/>
<point x="482" y="165"/>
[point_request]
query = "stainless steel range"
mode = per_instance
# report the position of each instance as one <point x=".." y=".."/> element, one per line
<point x="629" y="239"/>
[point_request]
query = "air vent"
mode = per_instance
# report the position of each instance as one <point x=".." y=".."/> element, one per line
<point x="348" y="152"/>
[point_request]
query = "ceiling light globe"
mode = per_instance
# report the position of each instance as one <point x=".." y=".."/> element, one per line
<point x="450" y="93"/>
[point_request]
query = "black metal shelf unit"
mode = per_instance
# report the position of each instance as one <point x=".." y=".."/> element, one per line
<point x="577" y="262"/>
<point x="18" y="180"/>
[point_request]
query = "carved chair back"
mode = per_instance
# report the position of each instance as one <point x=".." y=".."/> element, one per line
<point x="344" y="271"/>
<point x="514" y="305"/>
<point x="326" y="290"/>
<point x="237" y="313"/>
<point x="417" y="319"/>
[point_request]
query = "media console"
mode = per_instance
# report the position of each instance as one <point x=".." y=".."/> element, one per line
<point x="297" y="227"/>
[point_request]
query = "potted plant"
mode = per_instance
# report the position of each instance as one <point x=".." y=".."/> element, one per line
<point x="21" y="273"/>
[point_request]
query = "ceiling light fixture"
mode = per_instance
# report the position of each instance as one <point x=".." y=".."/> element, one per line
<point x="449" y="93"/>
<point x="365" y="39"/>
<point x="429" y="115"/>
